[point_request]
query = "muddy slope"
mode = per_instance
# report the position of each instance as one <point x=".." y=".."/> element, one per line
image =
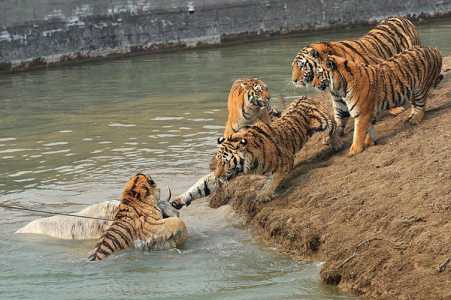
<point x="381" y="220"/>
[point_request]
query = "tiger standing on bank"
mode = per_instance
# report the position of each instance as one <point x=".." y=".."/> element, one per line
<point x="390" y="37"/>
<point x="370" y="89"/>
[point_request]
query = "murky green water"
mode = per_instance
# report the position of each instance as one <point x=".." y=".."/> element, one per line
<point x="72" y="136"/>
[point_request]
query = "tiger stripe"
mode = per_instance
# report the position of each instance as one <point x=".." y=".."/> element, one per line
<point x="390" y="37"/>
<point x="368" y="90"/>
<point x="137" y="211"/>
<point x="201" y="189"/>
<point x="248" y="101"/>
<point x="270" y="149"/>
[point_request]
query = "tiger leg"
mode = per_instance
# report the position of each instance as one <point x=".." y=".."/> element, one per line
<point x="371" y="137"/>
<point x="361" y="124"/>
<point x="271" y="185"/>
<point x="202" y="188"/>
<point x="418" y="103"/>
<point x="417" y="112"/>
<point x="341" y="114"/>
<point x="334" y="141"/>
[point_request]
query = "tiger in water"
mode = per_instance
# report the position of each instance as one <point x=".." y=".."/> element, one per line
<point x="368" y="90"/>
<point x="264" y="149"/>
<point x="139" y="222"/>
<point x="389" y="37"/>
<point x="248" y="102"/>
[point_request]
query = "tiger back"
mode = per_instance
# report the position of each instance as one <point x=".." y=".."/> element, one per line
<point x="136" y="214"/>
<point x="368" y="90"/>
<point x="248" y="101"/>
<point x="263" y="149"/>
<point x="389" y="37"/>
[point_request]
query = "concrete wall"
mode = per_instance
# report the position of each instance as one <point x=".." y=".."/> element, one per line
<point x="36" y="33"/>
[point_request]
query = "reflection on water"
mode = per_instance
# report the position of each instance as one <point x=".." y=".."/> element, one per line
<point x="72" y="136"/>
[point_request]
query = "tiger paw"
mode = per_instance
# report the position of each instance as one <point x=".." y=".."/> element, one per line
<point x="416" y="118"/>
<point x="178" y="203"/>
<point x="354" y="150"/>
<point x="369" y="141"/>
<point x="264" y="198"/>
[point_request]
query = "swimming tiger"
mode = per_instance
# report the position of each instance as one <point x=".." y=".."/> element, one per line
<point x="248" y="101"/>
<point x="389" y="37"/>
<point x="264" y="149"/>
<point x="138" y="222"/>
<point x="369" y="89"/>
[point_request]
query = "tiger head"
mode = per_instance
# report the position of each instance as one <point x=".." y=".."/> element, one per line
<point x="141" y="188"/>
<point x="321" y="78"/>
<point x="234" y="157"/>
<point x="337" y="72"/>
<point x="304" y="65"/>
<point x="255" y="92"/>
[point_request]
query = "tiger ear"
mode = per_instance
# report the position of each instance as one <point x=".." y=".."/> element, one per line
<point x="221" y="140"/>
<point x="332" y="65"/>
<point x="314" y="53"/>
<point x="243" y="142"/>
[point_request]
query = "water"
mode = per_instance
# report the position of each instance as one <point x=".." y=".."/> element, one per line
<point x="72" y="136"/>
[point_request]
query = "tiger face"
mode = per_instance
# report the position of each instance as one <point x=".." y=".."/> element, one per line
<point x="256" y="92"/>
<point x="231" y="158"/>
<point x="321" y="79"/>
<point x="335" y="70"/>
<point x="303" y="66"/>
<point x="141" y="187"/>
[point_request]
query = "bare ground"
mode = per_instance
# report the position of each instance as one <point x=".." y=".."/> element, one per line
<point x="381" y="221"/>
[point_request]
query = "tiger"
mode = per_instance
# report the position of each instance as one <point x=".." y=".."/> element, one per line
<point x="264" y="149"/>
<point x="138" y="222"/>
<point x="248" y="101"/>
<point x="368" y="90"/>
<point x="389" y="37"/>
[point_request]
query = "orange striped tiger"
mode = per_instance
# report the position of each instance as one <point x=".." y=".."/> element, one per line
<point x="248" y="101"/>
<point x="270" y="149"/>
<point x="263" y="149"/>
<point x="389" y="37"/>
<point x="369" y="89"/>
<point x="138" y="222"/>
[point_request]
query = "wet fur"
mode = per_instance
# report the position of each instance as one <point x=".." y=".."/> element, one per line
<point x="138" y="222"/>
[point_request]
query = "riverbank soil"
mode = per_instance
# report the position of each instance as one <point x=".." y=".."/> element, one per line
<point x="381" y="220"/>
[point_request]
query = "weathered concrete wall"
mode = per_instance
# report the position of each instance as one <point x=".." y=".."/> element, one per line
<point x="36" y="33"/>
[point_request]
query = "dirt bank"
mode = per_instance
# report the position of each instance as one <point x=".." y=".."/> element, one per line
<point x="381" y="220"/>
